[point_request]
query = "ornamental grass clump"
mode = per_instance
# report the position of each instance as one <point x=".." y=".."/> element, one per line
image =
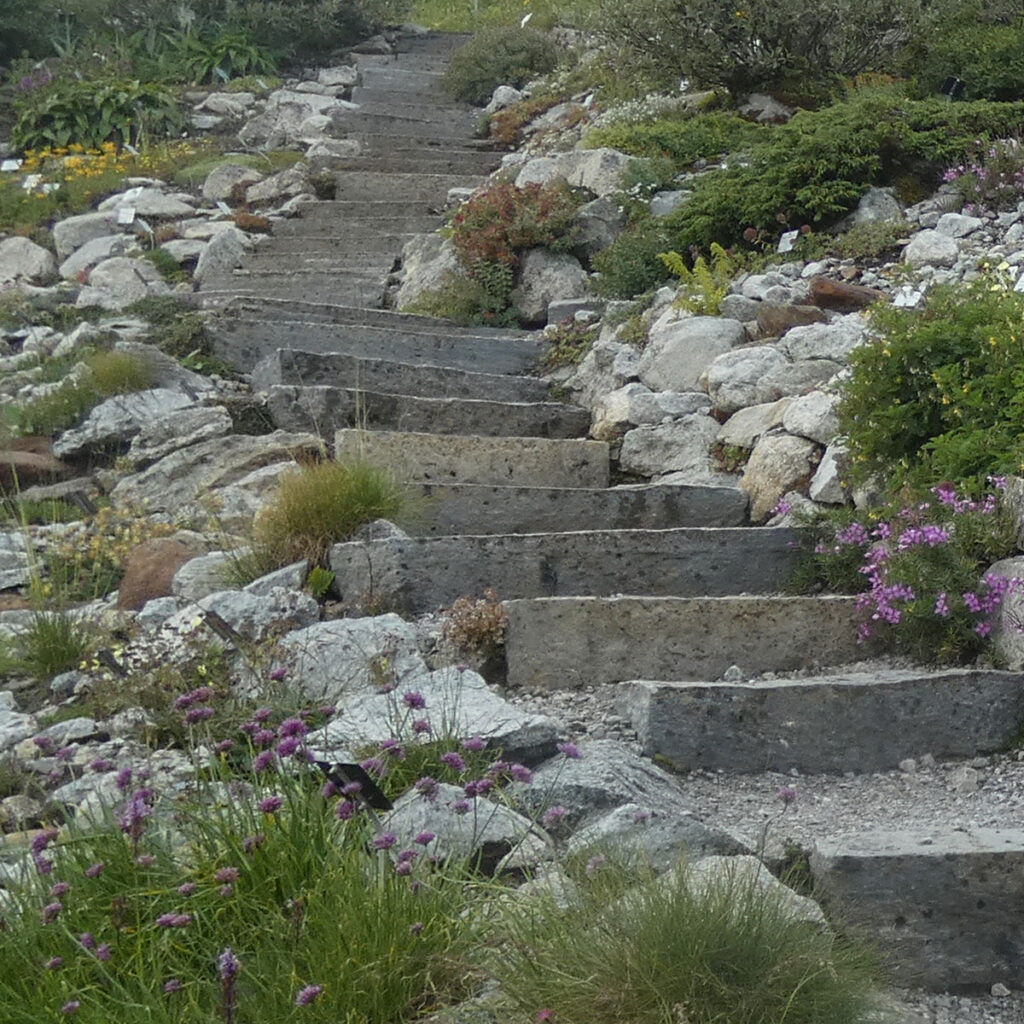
<point x="920" y="569"/>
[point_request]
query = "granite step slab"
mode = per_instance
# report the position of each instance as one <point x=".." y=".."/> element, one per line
<point x="478" y="508"/>
<point x="323" y="410"/>
<point x="365" y="185"/>
<point x="400" y="126"/>
<point x="425" y="80"/>
<point x="419" y="574"/>
<point x="291" y="366"/>
<point x="319" y="219"/>
<point x="368" y="293"/>
<point x="944" y="904"/>
<point x="242" y="343"/>
<point x="428" y="162"/>
<point x="829" y="723"/>
<point x="509" y="461"/>
<point x="558" y="643"/>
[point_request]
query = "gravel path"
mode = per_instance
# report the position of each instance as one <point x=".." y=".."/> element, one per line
<point x="986" y="791"/>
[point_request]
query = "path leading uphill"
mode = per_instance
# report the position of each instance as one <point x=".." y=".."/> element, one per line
<point x="607" y="585"/>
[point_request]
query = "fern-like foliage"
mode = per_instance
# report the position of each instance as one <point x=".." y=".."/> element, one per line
<point x="702" y="287"/>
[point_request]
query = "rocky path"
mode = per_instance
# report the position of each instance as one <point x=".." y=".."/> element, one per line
<point x="658" y="596"/>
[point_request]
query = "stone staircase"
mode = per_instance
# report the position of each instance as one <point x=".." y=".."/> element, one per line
<point x="660" y="588"/>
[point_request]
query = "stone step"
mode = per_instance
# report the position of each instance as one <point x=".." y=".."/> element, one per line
<point x="365" y="185"/>
<point x="325" y="219"/>
<point x="830" y="723"/>
<point x="420" y="574"/>
<point x="369" y="293"/>
<point x="344" y="267"/>
<point x="360" y="239"/>
<point x="243" y="342"/>
<point x="324" y="409"/>
<point x="429" y="162"/>
<point x="943" y="903"/>
<point x="407" y="107"/>
<point x="395" y="78"/>
<point x="354" y="121"/>
<point x="290" y="366"/>
<point x="477" y="508"/>
<point x="511" y="461"/>
<point x="435" y="97"/>
<point x="558" y="643"/>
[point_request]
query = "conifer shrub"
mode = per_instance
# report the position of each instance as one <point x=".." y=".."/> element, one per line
<point x="500" y="55"/>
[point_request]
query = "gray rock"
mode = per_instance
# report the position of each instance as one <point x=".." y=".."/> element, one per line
<point x="664" y="203"/>
<point x="680" y="349"/>
<point x="826" y="485"/>
<point x="766" y="109"/>
<point x="957" y="225"/>
<point x="745" y="426"/>
<point x="597" y="170"/>
<point x="607" y="366"/>
<point x="14" y="726"/>
<point x="679" y="446"/>
<point x="292" y="577"/>
<point x="116" y="420"/>
<point x="15" y="564"/>
<point x="256" y="616"/>
<point x="538" y="171"/>
<point x="835" y="340"/>
<point x="735" y="379"/>
<point x="467" y="828"/>
<point x="292" y="181"/>
<point x="345" y="75"/>
<point x="201" y="576"/>
<point x="168" y="433"/>
<point x="759" y="286"/>
<point x="225" y="178"/>
<point x="778" y="463"/>
<point x="279" y="124"/>
<point x="813" y="416"/>
<point x="71" y="730"/>
<point x="22" y="260"/>
<point x="73" y="232"/>
<point x="458" y="704"/>
<point x="155" y="613"/>
<point x="877" y="204"/>
<point x="120" y="281"/>
<point x="600" y="222"/>
<point x="234" y="104"/>
<point x="328" y="154"/>
<point x="738" y="307"/>
<point x="502" y="97"/>
<point x="184" y="250"/>
<point x="1007" y="637"/>
<point x="332" y="660"/>
<point x="914" y="891"/>
<point x="428" y="261"/>
<point x="21" y="811"/>
<point x="151" y="203"/>
<point x="634" y="404"/>
<point x="543" y="277"/>
<point x="224" y="252"/>
<point x="929" y="248"/>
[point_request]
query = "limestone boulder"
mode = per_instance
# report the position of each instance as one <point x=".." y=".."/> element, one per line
<point x="150" y="203"/>
<point x="120" y="281"/>
<point x="175" y="430"/>
<point x="958" y="225"/>
<point x="931" y="248"/>
<point x="599" y="223"/>
<point x="201" y="575"/>
<point x="835" y="340"/>
<point x="813" y="416"/>
<point x="22" y="260"/>
<point x="545" y="276"/>
<point x="428" y="261"/>
<point x="735" y="379"/>
<point x="607" y="366"/>
<point x="15" y="565"/>
<point x="634" y="405"/>
<point x="778" y="463"/>
<point x="292" y="181"/>
<point x="228" y="180"/>
<point x="77" y="266"/>
<point x="827" y="485"/>
<point x="678" y="446"/>
<point x="745" y="426"/>
<point x="597" y="170"/>
<point x="224" y="252"/>
<point x="680" y="349"/>
<point x="1007" y="637"/>
<point x="877" y="204"/>
<point x="71" y="233"/>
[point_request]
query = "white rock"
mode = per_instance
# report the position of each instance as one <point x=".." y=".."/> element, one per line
<point x="680" y="348"/>
<point x="957" y="225"/>
<point x="734" y="379"/>
<point x="930" y="248"/>
<point x="119" y="281"/>
<point x="826" y="485"/>
<point x="504" y="96"/>
<point x="22" y="260"/>
<point x="778" y="463"/>
<point x="745" y="426"/>
<point x="95" y="251"/>
<point x="814" y="416"/>
<point x="224" y="252"/>
<point x="835" y="340"/>
<point x="225" y="178"/>
<point x="543" y="277"/>
<point x="676" y="446"/>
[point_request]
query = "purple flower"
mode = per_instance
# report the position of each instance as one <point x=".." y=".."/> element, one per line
<point x="103" y="952"/>
<point x="570" y="750"/>
<point x="403" y="867"/>
<point x="423" y="838"/>
<point x="195" y="715"/>
<point x="53" y="963"/>
<point x="351" y="788"/>
<point x="520" y="773"/>
<point x="345" y="810"/>
<point x="43" y="865"/>
<point x="250" y="844"/>
<point x="172" y="985"/>
<point x="941" y="605"/>
<point x="133" y="815"/>
<point x="413" y="699"/>
<point x="477" y="787"/>
<point x="101" y="764"/>
<point x="228" y="965"/>
<point x="263" y="761"/>
<point x="786" y="794"/>
<point x="187" y="888"/>
<point x="308" y="995"/>
<point x="427" y="787"/>
<point x="288" y="746"/>
<point x="223" y="746"/>
<point x="461" y="807"/>
<point x="182" y="702"/>
<point x="50" y="912"/>
<point x="277" y="674"/>
<point x="229" y="874"/>
<point x="59" y="889"/>
<point x="553" y="815"/>
<point x="983" y="628"/>
<point x="86" y="940"/>
<point x="263" y="738"/>
<point x="474" y="744"/>
<point x="327" y="710"/>
<point x="372" y="766"/>
<point x="174" y="920"/>
<point x="292" y="727"/>
<point x="123" y="779"/>
<point x="225" y="891"/>
<point x="71" y="1007"/>
<point x="94" y="870"/>
<point x="44" y="743"/>
<point x="393" y="748"/>
<point x="406" y="855"/>
<point x="420" y="727"/>
<point x="452" y="760"/>
<point x="270" y="804"/>
<point x="384" y="841"/>
<point x="262" y="714"/>
<point x="41" y="840"/>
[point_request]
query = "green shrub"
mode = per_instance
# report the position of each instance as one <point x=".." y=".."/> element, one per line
<point x="119" y="373"/>
<point x="52" y="413"/>
<point x="917" y="563"/>
<point x="666" y="952"/>
<point x="228" y="54"/>
<point x="814" y="168"/>
<point x="496" y="56"/>
<point x="92" y="112"/>
<point x="758" y="44"/>
<point x="631" y="265"/>
<point x="703" y="287"/>
<point x="872" y="239"/>
<point x="54" y="642"/>
<point x="320" y="504"/>
<point x="937" y="394"/>
<point x="685" y="140"/>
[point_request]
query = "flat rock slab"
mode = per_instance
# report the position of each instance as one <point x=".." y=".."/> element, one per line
<point x="476" y="508"/>
<point x="944" y="905"/>
<point x="561" y="643"/>
<point x="855" y="722"/>
<point x="243" y="343"/>
<point x="419" y="574"/>
<point x="520" y="462"/>
<point x="326" y="409"/>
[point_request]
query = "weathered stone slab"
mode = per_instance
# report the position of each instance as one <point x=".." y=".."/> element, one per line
<point x="944" y="904"/>
<point x="851" y="722"/>
<point x="568" y="642"/>
<point x="325" y="409"/>
<point x="418" y="574"/>
<point x="478" y="508"/>
<point x="520" y="462"/>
